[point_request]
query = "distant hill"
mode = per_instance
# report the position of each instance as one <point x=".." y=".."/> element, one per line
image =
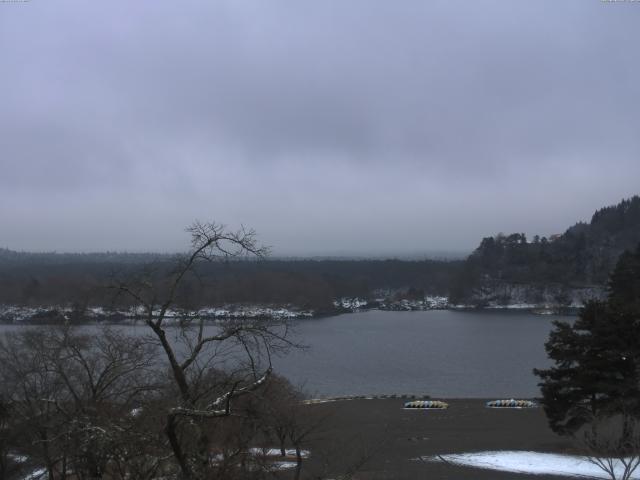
<point x="12" y="257"/>
<point x="60" y="279"/>
<point x="503" y="270"/>
<point x="580" y="258"/>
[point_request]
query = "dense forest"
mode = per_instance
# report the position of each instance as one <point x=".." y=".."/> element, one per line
<point x="580" y="258"/>
<point x="48" y="279"/>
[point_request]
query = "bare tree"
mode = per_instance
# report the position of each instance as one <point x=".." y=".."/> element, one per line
<point x="613" y="444"/>
<point x="72" y="395"/>
<point x="8" y="463"/>
<point x="196" y="353"/>
<point x="188" y="398"/>
<point x="289" y="421"/>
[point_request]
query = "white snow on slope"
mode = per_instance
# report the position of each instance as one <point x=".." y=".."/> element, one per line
<point x="36" y="474"/>
<point x="275" y="452"/>
<point x="529" y="463"/>
<point x="283" y="465"/>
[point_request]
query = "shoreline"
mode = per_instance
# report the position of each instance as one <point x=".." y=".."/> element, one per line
<point x="57" y="315"/>
<point x="347" y="398"/>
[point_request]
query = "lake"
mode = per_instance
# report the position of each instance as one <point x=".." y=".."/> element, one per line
<point x="442" y="353"/>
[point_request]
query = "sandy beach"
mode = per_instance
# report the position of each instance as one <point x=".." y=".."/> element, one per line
<point x="394" y="438"/>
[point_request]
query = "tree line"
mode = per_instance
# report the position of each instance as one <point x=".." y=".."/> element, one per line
<point x="584" y="255"/>
<point x="309" y="284"/>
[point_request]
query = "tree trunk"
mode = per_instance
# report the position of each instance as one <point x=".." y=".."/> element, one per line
<point x="203" y="450"/>
<point x="178" y="372"/>
<point x="298" y="462"/>
<point x="283" y="450"/>
<point x="174" y="441"/>
<point x="627" y="434"/>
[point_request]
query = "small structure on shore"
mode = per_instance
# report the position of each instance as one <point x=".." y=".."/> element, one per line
<point x="426" y="404"/>
<point x="511" y="403"/>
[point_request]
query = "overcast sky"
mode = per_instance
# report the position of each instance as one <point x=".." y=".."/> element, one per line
<point x="331" y="127"/>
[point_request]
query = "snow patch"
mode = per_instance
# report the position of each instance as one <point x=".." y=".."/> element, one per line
<point x="18" y="458"/>
<point x="36" y="474"/>
<point x="283" y="465"/>
<point x="19" y="313"/>
<point x="275" y="452"/>
<point x="535" y="463"/>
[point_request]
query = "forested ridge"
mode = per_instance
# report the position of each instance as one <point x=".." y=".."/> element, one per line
<point x="44" y="279"/>
<point x="583" y="256"/>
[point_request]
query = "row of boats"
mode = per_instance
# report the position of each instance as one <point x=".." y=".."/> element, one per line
<point x="437" y="404"/>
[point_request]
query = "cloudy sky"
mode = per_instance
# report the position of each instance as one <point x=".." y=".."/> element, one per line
<point x="333" y="127"/>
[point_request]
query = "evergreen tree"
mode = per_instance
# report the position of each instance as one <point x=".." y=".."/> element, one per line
<point x="597" y="358"/>
<point x="584" y="255"/>
<point x="624" y="284"/>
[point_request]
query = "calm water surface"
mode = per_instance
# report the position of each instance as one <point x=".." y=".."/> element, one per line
<point x="438" y="353"/>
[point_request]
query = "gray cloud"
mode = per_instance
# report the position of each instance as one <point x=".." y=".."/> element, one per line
<point x="331" y="127"/>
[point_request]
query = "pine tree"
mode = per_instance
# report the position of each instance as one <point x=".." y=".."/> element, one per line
<point x="624" y="283"/>
<point x="596" y="371"/>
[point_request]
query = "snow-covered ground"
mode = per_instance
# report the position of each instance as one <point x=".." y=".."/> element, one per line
<point x="427" y="303"/>
<point x="350" y="303"/>
<point x="389" y="303"/>
<point x="534" y="463"/>
<point x="36" y="474"/>
<point x="274" y="460"/>
<point x="275" y="452"/>
<point x="498" y="294"/>
<point x="18" y="313"/>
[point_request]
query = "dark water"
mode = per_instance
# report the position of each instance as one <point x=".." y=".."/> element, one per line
<point x="438" y="353"/>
